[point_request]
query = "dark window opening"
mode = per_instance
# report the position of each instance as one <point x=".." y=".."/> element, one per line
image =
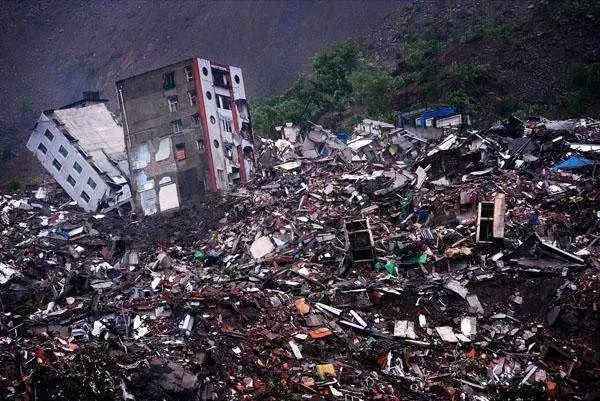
<point x="56" y="165"/>
<point x="85" y="196"/>
<point x="42" y="148"/>
<point x="196" y="119"/>
<point x="220" y="78"/>
<point x="91" y="183"/>
<point x="487" y="209"/>
<point x="208" y="95"/>
<point x="200" y="144"/>
<point x="168" y="80"/>
<point x="71" y="181"/>
<point x="49" y="135"/>
<point x="223" y="102"/>
<point x="205" y="71"/>
<point x="192" y="96"/>
<point x="64" y="152"/>
<point x="237" y="79"/>
<point x="77" y="167"/>
<point x="180" y="151"/>
<point x="216" y="143"/>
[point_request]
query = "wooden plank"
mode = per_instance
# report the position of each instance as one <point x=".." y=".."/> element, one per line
<point x="499" y="213"/>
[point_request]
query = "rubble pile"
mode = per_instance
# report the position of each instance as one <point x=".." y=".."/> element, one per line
<point x="390" y="264"/>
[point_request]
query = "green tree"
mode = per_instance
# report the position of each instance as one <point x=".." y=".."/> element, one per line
<point x="372" y="88"/>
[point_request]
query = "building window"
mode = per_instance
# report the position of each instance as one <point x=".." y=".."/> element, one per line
<point x="226" y="125"/>
<point x="237" y="79"/>
<point x="216" y="143"/>
<point x="49" y="135"/>
<point x="91" y="183"/>
<point x="56" y="165"/>
<point x="77" y="167"/>
<point x="200" y="144"/>
<point x="192" y="96"/>
<point x="220" y="78"/>
<point x="223" y="102"/>
<point x="212" y="119"/>
<point x="85" y="196"/>
<point x="208" y="95"/>
<point x="205" y="71"/>
<point x="42" y="148"/>
<point x="64" y="152"/>
<point x="71" y="181"/>
<point x="180" y="151"/>
<point x="168" y="80"/>
<point x="189" y="74"/>
<point x="196" y="119"/>
<point x="176" y="127"/>
<point x="173" y="103"/>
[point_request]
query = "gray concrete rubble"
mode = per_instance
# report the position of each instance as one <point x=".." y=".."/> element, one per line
<point x="387" y="264"/>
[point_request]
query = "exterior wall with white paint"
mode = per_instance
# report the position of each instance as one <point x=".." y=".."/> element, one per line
<point x="213" y="114"/>
<point x="74" y="155"/>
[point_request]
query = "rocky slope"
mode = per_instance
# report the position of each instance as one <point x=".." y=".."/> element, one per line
<point x="52" y="51"/>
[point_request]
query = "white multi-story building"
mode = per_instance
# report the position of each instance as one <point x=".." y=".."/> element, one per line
<point x="81" y="146"/>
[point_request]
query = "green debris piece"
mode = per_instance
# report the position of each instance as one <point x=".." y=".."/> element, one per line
<point x="422" y="258"/>
<point x="199" y="255"/>
<point x="391" y="268"/>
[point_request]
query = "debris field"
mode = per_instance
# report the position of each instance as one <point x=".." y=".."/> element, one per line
<point x="398" y="264"/>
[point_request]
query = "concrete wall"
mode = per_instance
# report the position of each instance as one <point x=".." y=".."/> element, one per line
<point x="160" y="180"/>
<point x="74" y="155"/>
<point x="226" y="152"/>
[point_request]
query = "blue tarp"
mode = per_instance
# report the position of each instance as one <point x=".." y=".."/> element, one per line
<point x="442" y="112"/>
<point x="574" y="162"/>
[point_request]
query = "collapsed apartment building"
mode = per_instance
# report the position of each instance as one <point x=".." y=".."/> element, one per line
<point x="81" y="145"/>
<point x="187" y="128"/>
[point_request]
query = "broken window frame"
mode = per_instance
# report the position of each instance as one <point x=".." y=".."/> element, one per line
<point x="221" y="78"/>
<point x="226" y="124"/>
<point x="490" y="219"/>
<point x="189" y="73"/>
<point x="223" y="102"/>
<point x="176" y="126"/>
<point x="173" y="102"/>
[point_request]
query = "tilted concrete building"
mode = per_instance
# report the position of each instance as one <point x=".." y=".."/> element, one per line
<point x="187" y="130"/>
<point x="81" y="145"/>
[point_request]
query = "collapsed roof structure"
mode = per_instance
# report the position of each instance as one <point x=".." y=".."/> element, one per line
<point x="81" y="145"/>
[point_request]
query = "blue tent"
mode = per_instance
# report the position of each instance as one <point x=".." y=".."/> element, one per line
<point x="574" y="162"/>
